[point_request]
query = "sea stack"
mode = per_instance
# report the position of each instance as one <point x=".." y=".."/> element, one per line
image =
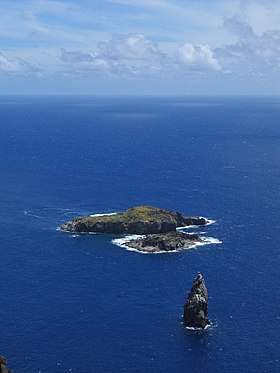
<point x="196" y="306"/>
<point x="3" y="365"/>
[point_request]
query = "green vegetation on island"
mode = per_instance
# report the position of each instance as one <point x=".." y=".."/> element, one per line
<point x="136" y="220"/>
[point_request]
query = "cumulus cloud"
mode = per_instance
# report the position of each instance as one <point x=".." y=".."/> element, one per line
<point x="252" y="53"/>
<point x="76" y="56"/>
<point x="135" y="55"/>
<point x="197" y="57"/>
<point x="131" y="47"/>
<point x="123" y="56"/>
<point x="16" y="65"/>
<point x="79" y="61"/>
<point x="241" y="28"/>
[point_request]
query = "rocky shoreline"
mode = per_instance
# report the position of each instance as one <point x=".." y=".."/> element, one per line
<point x="137" y="220"/>
<point x="158" y="229"/>
<point x="163" y="242"/>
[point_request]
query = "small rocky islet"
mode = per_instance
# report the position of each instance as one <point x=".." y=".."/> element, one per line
<point x="196" y="306"/>
<point x="3" y="365"/>
<point x="164" y="242"/>
<point x="157" y="228"/>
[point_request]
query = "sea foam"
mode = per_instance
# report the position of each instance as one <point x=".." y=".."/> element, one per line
<point x="198" y="329"/>
<point x="107" y="214"/>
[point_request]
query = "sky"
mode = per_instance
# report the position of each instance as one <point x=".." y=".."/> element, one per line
<point x="140" y="47"/>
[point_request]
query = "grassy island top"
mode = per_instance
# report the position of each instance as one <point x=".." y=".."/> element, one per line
<point x="139" y="213"/>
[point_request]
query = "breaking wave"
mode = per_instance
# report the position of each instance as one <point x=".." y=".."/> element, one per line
<point x="106" y="214"/>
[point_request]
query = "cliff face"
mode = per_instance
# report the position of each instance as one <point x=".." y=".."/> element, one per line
<point x="196" y="306"/>
<point x="137" y="220"/>
<point x="117" y="227"/>
<point x="3" y="365"/>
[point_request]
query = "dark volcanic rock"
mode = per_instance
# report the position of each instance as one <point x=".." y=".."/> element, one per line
<point x="196" y="306"/>
<point x="137" y="220"/>
<point x="171" y="241"/>
<point x="3" y="365"/>
<point x="184" y="221"/>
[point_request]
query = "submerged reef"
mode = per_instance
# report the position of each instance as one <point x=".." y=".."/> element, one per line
<point x="196" y="306"/>
<point x="137" y="220"/>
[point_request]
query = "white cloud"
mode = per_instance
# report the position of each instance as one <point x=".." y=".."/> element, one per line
<point x="79" y="62"/>
<point x="124" y="56"/>
<point x="254" y="54"/>
<point x="76" y="56"/>
<point x="135" y="55"/>
<point x="263" y="15"/>
<point x="241" y="28"/>
<point x="161" y="39"/>
<point x="16" y="65"/>
<point x="131" y="47"/>
<point x="197" y="57"/>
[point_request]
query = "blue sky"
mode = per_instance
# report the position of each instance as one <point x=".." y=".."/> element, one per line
<point x="136" y="47"/>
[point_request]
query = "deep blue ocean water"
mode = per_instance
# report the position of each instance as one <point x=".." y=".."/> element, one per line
<point x="81" y="304"/>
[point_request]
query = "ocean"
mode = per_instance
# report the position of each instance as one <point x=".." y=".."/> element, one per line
<point x="79" y="303"/>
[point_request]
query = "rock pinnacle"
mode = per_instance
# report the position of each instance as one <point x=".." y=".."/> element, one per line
<point x="196" y="306"/>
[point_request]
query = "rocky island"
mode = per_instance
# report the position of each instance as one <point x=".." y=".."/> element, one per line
<point x="137" y="220"/>
<point x="156" y="228"/>
<point x="196" y="306"/>
<point x="163" y="242"/>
